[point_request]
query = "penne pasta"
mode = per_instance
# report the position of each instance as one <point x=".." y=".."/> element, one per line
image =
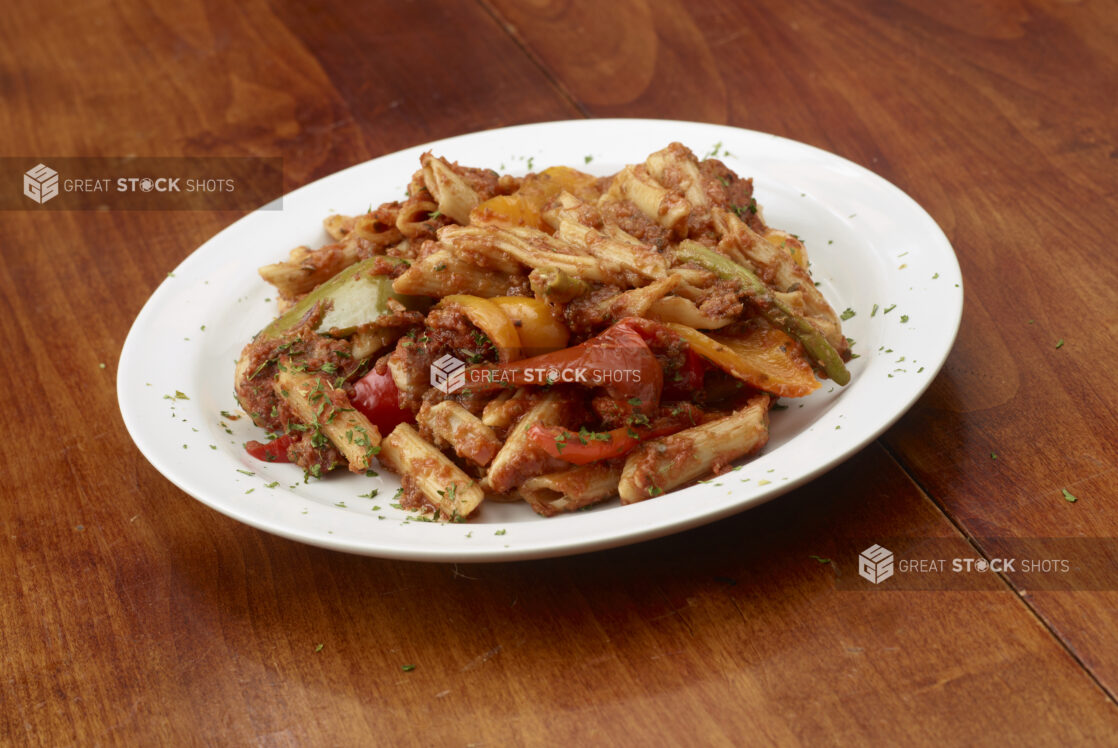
<point x="306" y="269"/>
<point x="638" y="301"/>
<point x="502" y="411"/>
<point x="569" y="490"/>
<point x="518" y="457"/>
<point x="622" y="258"/>
<point x="527" y="246"/>
<point x="454" y="197"/>
<point x="682" y="311"/>
<point x="664" y="206"/>
<point x="677" y="168"/>
<point x="457" y="428"/>
<point x="663" y="464"/>
<point x="445" y="271"/>
<point x="319" y="405"/>
<point x="442" y="483"/>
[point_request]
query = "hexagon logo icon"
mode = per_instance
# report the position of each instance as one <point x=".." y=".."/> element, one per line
<point x="448" y="374"/>
<point x="875" y="564"/>
<point x="40" y="183"/>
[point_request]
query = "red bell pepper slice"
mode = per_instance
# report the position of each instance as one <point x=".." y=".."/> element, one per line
<point x="618" y="360"/>
<point x="273" y="451"/>
<point x="377" y="398"/>
<point x="582" y="447"/>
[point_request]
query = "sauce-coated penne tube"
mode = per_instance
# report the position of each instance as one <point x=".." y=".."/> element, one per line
<point x="441" y="482"/>
<point x="519" y="458"/>
<point x="666" y="463"/>
<point x="455" y="197"/>
<point x="315" y="401"/>
<point x="462" y="430"/>
<point x="572" y="489"/>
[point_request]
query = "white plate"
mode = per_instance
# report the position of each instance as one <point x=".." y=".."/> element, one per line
<point x="871" y="247"/>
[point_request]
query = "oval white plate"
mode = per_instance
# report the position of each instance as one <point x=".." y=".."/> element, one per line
<point x="872" y="248"/>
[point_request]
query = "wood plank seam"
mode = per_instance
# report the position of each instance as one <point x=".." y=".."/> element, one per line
<point x="974" y="543"/>
<point x="536" y="60"/>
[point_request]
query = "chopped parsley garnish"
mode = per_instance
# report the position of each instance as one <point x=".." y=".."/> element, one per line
<point x="820" y="559"/>
<point x="407" y="668"/>
<point x="1068" y="497"/>
<point x="371" y="495"/>
<point x="873" y="312"/>
<point x="846" y="314"/>
<point x="500" y="532"/>
<point x="449" y="493"/>
<point x="889" y="308"/>
<point x="1060" y="343"/>
<point x="904" y="318"/>
<point x="586" y="436"/>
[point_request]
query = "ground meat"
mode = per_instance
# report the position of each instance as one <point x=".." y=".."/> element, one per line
<point x="485" y="182"/>
<point x="671" y="351"/>
<point x="609" y="412"/>
<point x="587" y="315"/>
<point x="257" y="368"/>
<point x="723" y="300"/>
<point x="315" y="455"/>
<point x="519" y="285"/>
<point x="447" y="330"/>
<point x="508" y="184"/>
<point x="727" y="190"/>
<point x="386" y="267"/>
<point x="411" y="498"/>
<point x="384" y="216"/>
<point x="631" y="220"/>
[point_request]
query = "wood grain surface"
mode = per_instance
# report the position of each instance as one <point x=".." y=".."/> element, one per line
<point x="130" y="614"/>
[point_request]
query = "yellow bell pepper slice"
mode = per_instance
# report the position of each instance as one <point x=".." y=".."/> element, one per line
<point x="540" y="332"/>
<point x="488" y="317"/>
<point x="764" y="357"/>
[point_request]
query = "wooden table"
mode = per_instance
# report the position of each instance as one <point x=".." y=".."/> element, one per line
<point x="132" y="614"/>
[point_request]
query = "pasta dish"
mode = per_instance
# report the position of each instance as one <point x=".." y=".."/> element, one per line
<point x="559" y="338"/>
